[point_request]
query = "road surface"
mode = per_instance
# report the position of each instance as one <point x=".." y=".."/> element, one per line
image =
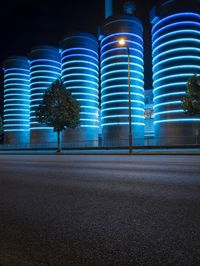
<point x="99" y="210"/>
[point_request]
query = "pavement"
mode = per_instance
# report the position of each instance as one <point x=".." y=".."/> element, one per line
<point x="86" y="210"/>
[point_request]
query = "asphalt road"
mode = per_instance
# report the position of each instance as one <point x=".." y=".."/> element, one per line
<point x="99" y="210"/>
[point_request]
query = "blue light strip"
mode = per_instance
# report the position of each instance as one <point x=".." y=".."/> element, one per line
<point x="122" y="71"/>
<point x="121" y="93"/>
<point x="178" y="120"/>
<point x="120" y="86"/>
<point x="168" y="112"/>
<point x="80" y="74"/>
<point x="80" y="61"/>
<point x="175" y="68"/>
<point x="42" y="66"/>
<point x="121" y="108"/>
<point x="171" y="85"/>
<point x="121" y="49"/>
<point x="79" y="48"/>
<point x="125" y="116"/>
<point x="121" y="123"/>
<point x="122" y="34"/>
<point x="167" y="103"/>
<point x="169" y="94"/>
<point x="121" y="56"/>
<point x="122" y="78"/>
<point x="122" y="63"/>
<point x="78" y="68"/>
<point x="79" y="55"/>
<point x="120" y="101"/>
<point x="117" y="43"/>
<point x="184" y="76"/>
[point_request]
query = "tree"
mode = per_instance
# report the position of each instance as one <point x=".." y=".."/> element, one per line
<point x="191" y="101"/>
<point x="58" y="109"/>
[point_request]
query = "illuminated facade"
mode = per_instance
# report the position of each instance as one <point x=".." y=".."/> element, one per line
<point x="176" y="57"/>
<point x="16" y="100"/>
<point x="114" y="81"/>
<point x="80" y="74"/>
<point x="45" y="67"/>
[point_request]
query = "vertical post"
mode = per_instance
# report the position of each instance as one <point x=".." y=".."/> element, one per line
<point x="129" y="102"/>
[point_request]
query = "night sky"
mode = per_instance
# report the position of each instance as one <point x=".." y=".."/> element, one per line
<point x="27" y="23"/>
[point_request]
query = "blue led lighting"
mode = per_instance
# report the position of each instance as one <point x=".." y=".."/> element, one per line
<point x="80" y="61"/>
<point x="172" y="25"/>
<point x="168" y="112"/>
<point x="176" y="67"/>
<point x="121" y="93"/>
<point x="79" y="48"/>
<point x="16" y="94"/>
<point x="15" y="74"/>
<point x="169" y="94"/>
<point x="181" y="40"/>
<point x="15" y="84"/>
<point x="44" y="71"/>
<point x="123" y="34"/>
<point x="121" y="49"/>
<point x="80" y="74"/>
<point x="185" y="76"/>
<point x="167" y="103"/>
<point x="121" y="108"/>
<point x="81" y="87"/>
<point x="11" y="100"/>
<point x="174" y="33"/>
<point x="122" y="71"/>
<point x="90" y="107"/>
<point x="82" y="81"/>
<point x="122" y="78"/>
<point x="84" y="93"/>
<point x="41" y="128"/>
<point x="117" y="43"/>
<point x="91" y="126"/>
<point x="120" y="101"/>
<point x="8" y="120"/>
<point x="121" y="123"/>
<point x="125" y="116"/>
<point x="15" y="69"/>
<point x="16" y="125"/>
<point x="18" y="90"/>
<point x="177" y="120"/>
<point x="182" y="14"/>
<point x="88" y="100"/>
<point x="177" y="58"/>
<point x="121" y="56"/>
<point x="19" y="104"/>
<point x="16" y="130"/>
<point x="176" y="51"/>
<point x="79" y="55"/>
<point x="45" y="60"/>
<point x="121" y="63"/>
<point x="8" y="115"/>
<point x="120" y="86"/>
<point x="42" y="66"/>
<point x="171" y="85"/>
<point x="78" y="68"/>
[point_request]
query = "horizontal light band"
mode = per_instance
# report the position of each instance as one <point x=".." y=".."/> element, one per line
<point x="122" y="93"/>
<point x="176" y="51"/>
<point x="170" y="84"/>
<point x="91" y="126"/>
<point x="11" y="100"/>
<point x="122" y="34"/>
<point x="120" y="101"/>
<point x="121" y="49"/>
<point x="16" y="109"/>
<point x="117" y="43"/>
<point x="174" y="76"/>
<point x="16" y="125"/>
<point x="45" y="60"/>
<point x="84" y="93"/>
<point x="90" y="107"/>
<point x="42" y="66"/>
<point x="18" y="104"/>
<point x="87" y="119"/>
<point x="122" y="71"/>
<point x="80" y="80"/>
<point x="7" y="91"/>
<point x="177" y="58"/>
<point x="16" y="84"/>
<point x="121" y="108"/>
<point x="121" y="63"/>
<point x="120" y="86"/>
<point x="79" y="68"/>
<point x="125" y="116"/>
<point x="24" y="120"/>
<point x="182" y="14"/>
<point x="80" y="74"/>
<point x="176" y="67"/>
<point x="16" y="74"/>
<point x="16" y="94"/>
<point x="167" y="103"/>
<point x="16" y="130"/>
<point x="88" y="100"/>
<point x="178" y="120"/>
<point x="169" y="94"/>
<point x="45" y="71"/>
<point x="169" y="112"/>
<point x="79" y="55"/>
<point x="174" y="33"/>
<point x="80" y="61"/>
<point x="14" y="69"/>
<point x="81" y="87"/>
<point x="121" y="123"/>
<point x="15" y="115"/>
<point x="176" y="41"/>
<point x="122" y="78"/>
<point x="122" y="56"/>
<point x="43" y="128"/>
<point x="78" y="48"/>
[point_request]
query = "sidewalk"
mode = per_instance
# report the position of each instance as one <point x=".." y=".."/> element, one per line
<point x="166" y="151"/>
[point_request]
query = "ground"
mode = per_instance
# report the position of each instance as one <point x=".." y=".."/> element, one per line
<point x="94" y="210"/>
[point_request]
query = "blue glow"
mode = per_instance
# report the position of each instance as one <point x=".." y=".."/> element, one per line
<point x="120" y="101"/>
<point x="16" y="94"/>
<point x="15" y="69"/>
<point x="121" y="49"/>
<point x="167" y="103"/>
<point x="80" y="74"/>
<point x="79" y="68"/>
<point x="121" y="123"/>
<point x="178" y="120"/>
<point x="173" y="76"/>
<point x="15" y="84"/>
<point x="81" y="80"/>
<point x="170" y="84"/>
<point x="168" y="112"/>
<point x="81" y="55"/>
<point x="90" y="126"/>
<point x="15" y="130"/>
<point x="122" y="78"/>
<point x="80" y="61"/>
<point x="122" y="34"/>
<point x="15" y="74"/>
<point x="117" y="43"/>
<point x="125" y="116"/>
<point x="121" y="63"/>
<point x="121" y="56"/>
<point x="49" y="66"/>
<point x="85" y="93"/>
<point x="122" y="71"/>
<point x="120" y="86"/>
<point x="122" y="93"/>
<point x="169" y="94"/>
<point x="82" y="87"/>
<point x="45" y="60"/>
<point x="121" y="108"/>
<point x="79" y="48"/>
<point x="18" y="119"/>
<point x="176" y="67"/>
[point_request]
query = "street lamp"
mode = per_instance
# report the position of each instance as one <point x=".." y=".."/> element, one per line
<point x="122" y="42"/>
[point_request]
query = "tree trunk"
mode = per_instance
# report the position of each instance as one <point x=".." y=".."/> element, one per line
<point x="59" y="142"/>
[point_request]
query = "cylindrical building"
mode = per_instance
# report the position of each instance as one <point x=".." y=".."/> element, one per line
<point x="176" y="57"/>
<point x="45" y="68"/>
<point x="16" y="100"/>
<point x="80" y="66"/>
<point x="114" y="81"/>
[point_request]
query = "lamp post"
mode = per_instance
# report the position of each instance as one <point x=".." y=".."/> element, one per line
<point x="122" y="42"/>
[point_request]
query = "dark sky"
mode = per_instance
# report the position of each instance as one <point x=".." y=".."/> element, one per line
<point x="26" y="23"/>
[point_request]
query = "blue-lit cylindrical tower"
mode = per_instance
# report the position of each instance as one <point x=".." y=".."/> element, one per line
<point x="176" y="57"/>
<point x="45" y="68"/>
<point x="16" y="100"/>
<point x="80" y="66"/>
<point x="114" y="81"/>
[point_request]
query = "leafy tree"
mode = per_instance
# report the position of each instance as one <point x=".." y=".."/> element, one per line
<point x="191" y="101"/>
<point x="58" y="109"/>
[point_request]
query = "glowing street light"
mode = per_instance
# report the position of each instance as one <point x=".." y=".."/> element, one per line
<point x="122" y="42"/>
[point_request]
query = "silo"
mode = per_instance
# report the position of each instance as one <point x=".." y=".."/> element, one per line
<point x="45" y="68"/>
<point x="16" y="100"/>
<point x="80" y="66"/>
<point x="115" y="98"/>
<point x="176" y="57"/>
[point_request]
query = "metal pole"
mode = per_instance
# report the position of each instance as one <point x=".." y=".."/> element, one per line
<point x="129" y="102"/>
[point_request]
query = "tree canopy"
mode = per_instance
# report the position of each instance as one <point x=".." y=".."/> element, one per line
<point x="58" y="108"/>
<point x="191" y="101"/>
